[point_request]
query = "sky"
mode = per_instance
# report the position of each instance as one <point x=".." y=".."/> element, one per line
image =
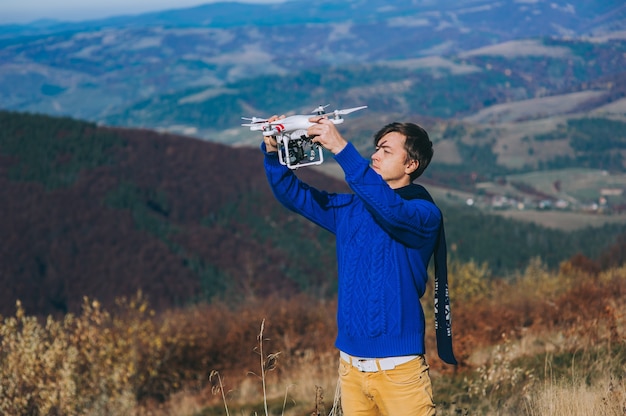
<point x="25" y="11"/>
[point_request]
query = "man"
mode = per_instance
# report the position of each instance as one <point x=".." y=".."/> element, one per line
<point x="386" y="233"/>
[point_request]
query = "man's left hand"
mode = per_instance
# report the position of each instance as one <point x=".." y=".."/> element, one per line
<point x="325" y="133"/>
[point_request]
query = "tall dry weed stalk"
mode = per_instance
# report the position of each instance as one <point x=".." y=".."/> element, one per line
<point x="218" y="387"/>
<point x="267" y="364"/>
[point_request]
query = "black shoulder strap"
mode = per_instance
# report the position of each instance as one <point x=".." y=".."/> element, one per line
<point x="443" y="316"/>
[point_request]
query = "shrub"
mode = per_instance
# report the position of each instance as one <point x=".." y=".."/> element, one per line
<point x="94" y="363"/>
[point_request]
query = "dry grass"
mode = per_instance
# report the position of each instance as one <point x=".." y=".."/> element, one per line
<point x="544" y="343"/>
<point x="607" y="397"/>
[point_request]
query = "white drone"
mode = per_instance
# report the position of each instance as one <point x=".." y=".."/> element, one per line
<point x="295" y="148"/>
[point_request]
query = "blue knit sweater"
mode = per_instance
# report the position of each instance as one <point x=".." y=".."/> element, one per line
<point x="384" y="243"/>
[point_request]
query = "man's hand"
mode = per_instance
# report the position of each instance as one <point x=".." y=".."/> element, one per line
<point x="325" y="133"/>
<point x="271" y="145"/>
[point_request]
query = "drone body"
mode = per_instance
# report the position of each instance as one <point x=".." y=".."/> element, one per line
<point x="291" y="123"/>
<point x="295" y="148"/>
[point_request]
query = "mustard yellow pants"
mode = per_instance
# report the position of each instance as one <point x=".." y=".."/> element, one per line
<point x="405" y="390"/>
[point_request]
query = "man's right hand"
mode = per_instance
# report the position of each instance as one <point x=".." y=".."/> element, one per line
<point x="271" y="145"/>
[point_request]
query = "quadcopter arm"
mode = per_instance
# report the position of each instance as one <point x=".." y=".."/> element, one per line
<point x="271" y="132"/>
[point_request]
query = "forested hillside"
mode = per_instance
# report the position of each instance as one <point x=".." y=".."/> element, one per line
<point x="102" y="212"/>
<point x="89" y="211"/>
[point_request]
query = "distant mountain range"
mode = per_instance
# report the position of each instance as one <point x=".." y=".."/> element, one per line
<point x="97" y="70"/>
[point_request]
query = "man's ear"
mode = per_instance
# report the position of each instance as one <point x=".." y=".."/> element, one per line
<point x="411" y="166"/>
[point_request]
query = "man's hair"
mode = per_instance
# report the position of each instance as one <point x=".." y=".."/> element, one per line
<point x="417" y="144"/>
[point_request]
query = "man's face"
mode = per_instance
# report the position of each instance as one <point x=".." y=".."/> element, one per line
<point x="390" y="160"/>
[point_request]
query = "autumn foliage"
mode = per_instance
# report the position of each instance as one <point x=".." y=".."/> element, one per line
<point x="131" y="359"/>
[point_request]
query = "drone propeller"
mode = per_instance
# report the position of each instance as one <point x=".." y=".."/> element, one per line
<point x="320" y="110"/>
<point x="254" y="120"/>
<point x="338" y="113"/>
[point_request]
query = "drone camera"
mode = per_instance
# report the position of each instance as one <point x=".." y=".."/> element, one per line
<point x="297" y="149"/>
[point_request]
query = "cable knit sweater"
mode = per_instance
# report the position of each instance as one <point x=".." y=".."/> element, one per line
<point x="384" y="242"/>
